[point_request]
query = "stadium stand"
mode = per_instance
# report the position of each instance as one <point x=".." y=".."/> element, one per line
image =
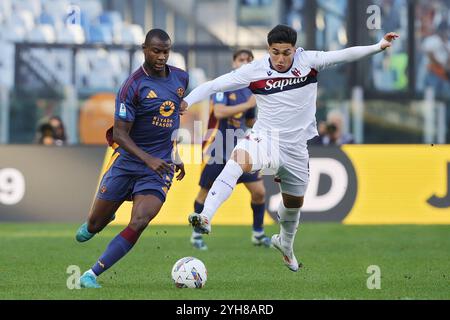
<point x="71" y="22"/>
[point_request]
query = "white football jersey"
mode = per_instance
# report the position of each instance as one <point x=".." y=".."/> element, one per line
<point x="286" y="101"/>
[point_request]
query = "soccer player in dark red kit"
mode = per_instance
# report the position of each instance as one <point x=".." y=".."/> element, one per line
<point x="142" y="166"/>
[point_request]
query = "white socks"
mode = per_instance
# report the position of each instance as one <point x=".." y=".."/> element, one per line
<point x="289" y="220"/>
<point x="258" y="233"/>
<point x="222" y="188"/>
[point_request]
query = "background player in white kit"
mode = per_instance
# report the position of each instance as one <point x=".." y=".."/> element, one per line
<point x="285" y="85"/>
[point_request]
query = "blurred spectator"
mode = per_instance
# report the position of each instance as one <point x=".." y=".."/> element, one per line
<point x="52" y="132"/>
<point x="390" y="70"/>
<point x="59" y="133"/>
<point x="334" y="132"/>
<point x="437" y="49"/>
<point x="45" y="135"/>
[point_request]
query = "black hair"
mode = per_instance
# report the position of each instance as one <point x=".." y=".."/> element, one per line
<point x="46" y="130"/>
<point x="59" y="135"/>
<point x="237" y="53"/>
<point x="156" y="33"/>
<point x="282" y="34"/>
<point x="331" y="128"/>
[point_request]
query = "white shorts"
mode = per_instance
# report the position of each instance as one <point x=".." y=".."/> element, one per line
<point x="290" y="164"/>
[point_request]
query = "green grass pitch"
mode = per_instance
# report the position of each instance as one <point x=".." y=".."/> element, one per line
<point x="414" y="263"/>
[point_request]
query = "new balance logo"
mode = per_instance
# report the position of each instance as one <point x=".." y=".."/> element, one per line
<point x="213" y="193"/>
<point x="151" y="95"/>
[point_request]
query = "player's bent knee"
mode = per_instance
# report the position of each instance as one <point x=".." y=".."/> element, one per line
<point x="140" y="223"/>
<point x="138" y="226"/>
<point x="292" y="201"/>
<point x="259" y="196"/>
<point x="242" y="158"/>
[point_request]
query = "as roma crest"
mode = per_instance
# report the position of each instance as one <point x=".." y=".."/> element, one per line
<point x="180" y="92"/>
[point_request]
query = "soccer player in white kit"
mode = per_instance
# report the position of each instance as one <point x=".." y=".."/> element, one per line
<point x="285" y="85"/>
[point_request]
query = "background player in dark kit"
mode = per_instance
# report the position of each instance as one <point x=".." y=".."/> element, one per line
<point x="232" y="112"/>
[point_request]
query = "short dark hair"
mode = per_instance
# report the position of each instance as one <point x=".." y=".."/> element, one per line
<point x="46" y="129"/>
<point x="282" y="34"/>
<point x="237" y="53"/>
<point x="156" y="33"/>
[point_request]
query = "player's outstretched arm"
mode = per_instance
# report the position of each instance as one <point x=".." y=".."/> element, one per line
<point x="320" y="60"/>
<point x="222" y="111"/>
<point x="234" y="80"/>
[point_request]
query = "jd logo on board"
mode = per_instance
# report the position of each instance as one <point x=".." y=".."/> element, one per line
<point x="442" y="202"/>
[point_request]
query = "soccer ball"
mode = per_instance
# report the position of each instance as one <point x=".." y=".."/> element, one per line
<point x="189" y="272"/>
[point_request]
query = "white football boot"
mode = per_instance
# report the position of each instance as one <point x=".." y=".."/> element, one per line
<point x="288" y="255"/>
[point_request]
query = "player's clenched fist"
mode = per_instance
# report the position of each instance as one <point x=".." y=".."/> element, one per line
<point x="183" y="107"/>
<point x="179" y="168"/>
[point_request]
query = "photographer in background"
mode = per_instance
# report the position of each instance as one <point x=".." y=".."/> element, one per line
<point x="59" y="133"/>
<point x="334" y="135"/>
<point x="51" y="132"/>
<point x="45" y="135"/>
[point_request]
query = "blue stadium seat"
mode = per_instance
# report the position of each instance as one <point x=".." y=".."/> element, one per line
<point x="85" y="23"/>
<point x="112" y="21"/>
<point x="110" y="18"/>
<point x="46" y="21"/>
<point x="71" y="33"/>
<point x="22" y="18"/>
<point x="56" y="8"/>
<point x="44" y="33"/>
<point x="46" y="18"/>
<point x="100" y="34"/>
<point x="5" y="8"/>
<point x="34" y="6"/>
<point x="177" y="60"/>
<point x="138" y="59"/>
<point x="12" y="32"/>
<point x="131" y="34"/>
<point x="90" y="8"/>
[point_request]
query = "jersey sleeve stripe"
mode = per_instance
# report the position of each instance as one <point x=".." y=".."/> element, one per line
<point x="125" y="88"/>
